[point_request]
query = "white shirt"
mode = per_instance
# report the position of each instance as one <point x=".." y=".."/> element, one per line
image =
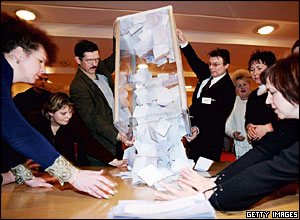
<point x="213" y="81"/>
<point x="236" y="122"/>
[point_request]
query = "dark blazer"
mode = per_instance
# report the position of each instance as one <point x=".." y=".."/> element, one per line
<point x="93" y="108"/>
<point x="273" y="164"/>
<point x="67" y="135"/>
<point x="209" y="118"/>
<point x="258" y="112"/>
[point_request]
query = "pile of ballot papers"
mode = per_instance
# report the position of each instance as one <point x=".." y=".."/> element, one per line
<point x="193" y="207"/>
<point x="151" y="106"/>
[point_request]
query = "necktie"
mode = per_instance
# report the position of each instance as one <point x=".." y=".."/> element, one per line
<point x="207" y="84"/>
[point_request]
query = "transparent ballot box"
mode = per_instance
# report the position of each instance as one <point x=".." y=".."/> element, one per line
<point x="150" y="95"/>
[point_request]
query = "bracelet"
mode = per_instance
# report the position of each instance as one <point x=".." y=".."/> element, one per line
<point x="62" y="169"/>
<point x="22" y="174"/>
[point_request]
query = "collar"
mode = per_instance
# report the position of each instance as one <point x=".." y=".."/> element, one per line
<point x="261" y="89"/>
<point x="91" y="76"/>
<point x="216" y="79"/>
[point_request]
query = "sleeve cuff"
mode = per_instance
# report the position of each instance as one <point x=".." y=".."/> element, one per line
<point x="62" y="169"/>
<point x="22" y="174"/>
<point x="183" y="45"/>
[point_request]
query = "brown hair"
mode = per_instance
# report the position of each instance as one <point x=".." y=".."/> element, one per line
<point x="284" y="76"/>
<point x="16" y="32"/>
<point x="296" y="44"/>
<point x="55" y="102"/>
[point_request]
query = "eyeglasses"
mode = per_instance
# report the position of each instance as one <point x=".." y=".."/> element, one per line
<point x="91" y="61"/>
<point x="43" y="78"/>
<point x="214" y="64"/>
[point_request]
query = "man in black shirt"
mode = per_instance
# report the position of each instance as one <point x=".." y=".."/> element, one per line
<point x="34" y="98"/>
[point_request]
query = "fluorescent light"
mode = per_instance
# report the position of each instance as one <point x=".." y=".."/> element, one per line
<point x="265" y="30"/>
<point x="188" y="87"/>
<point x="26" y="15"/>
<point x="142" y="66"/>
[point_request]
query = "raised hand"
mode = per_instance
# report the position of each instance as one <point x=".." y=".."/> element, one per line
<point x="180" y="37"/>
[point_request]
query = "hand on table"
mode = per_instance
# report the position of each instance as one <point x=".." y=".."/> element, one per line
<point x="39" y="182"/>
<point x="173" y="193"/>
<point x="193" y="179"/>
<point x="93" y="183"/>
<point x="118" y="163"/>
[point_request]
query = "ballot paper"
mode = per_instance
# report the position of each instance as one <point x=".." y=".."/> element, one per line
<point x="157" y="174"/>
<point x="203" y="164"/>
<point x="191" y="207"/>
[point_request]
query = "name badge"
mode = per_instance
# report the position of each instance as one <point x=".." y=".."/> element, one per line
<point x="206" y="100"/>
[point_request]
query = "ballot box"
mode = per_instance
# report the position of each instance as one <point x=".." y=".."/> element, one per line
<point x="150" y="96"/>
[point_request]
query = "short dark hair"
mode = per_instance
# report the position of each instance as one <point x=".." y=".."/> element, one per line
<point x="266" y="57"/>
<point x="284" y="76"/>
<point x="221" y="53"/>
<point x="17" y="32"/>
<point x="84" y="46"/>
<point x="296" y="44"/>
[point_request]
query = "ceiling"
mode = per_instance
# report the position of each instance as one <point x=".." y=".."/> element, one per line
<point x="206" y="25"/>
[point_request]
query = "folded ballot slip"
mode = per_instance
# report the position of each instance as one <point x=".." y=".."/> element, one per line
<point x="203" y="164"/>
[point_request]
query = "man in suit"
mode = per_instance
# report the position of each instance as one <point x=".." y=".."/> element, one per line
<point x="212" y="103"/>
<point x="92" y="91"/>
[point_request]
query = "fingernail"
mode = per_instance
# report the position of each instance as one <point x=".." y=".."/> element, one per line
<point x="116" y="191"/>
<point x="114" y="184"/>
<point x="105" y="196"/>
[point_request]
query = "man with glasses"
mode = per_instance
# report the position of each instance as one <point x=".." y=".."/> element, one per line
<point x="34" y="98"/>
<point x="92" y="91"/>
<point x="212" y="102"/>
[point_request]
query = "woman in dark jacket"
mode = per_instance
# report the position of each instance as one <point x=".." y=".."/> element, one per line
<point x="68" y="134"/>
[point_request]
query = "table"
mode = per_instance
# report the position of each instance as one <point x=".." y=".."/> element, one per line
<point x="23" y="202"/>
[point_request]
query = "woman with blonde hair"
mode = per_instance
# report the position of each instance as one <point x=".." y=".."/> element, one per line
<point x="235" y="124"/>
